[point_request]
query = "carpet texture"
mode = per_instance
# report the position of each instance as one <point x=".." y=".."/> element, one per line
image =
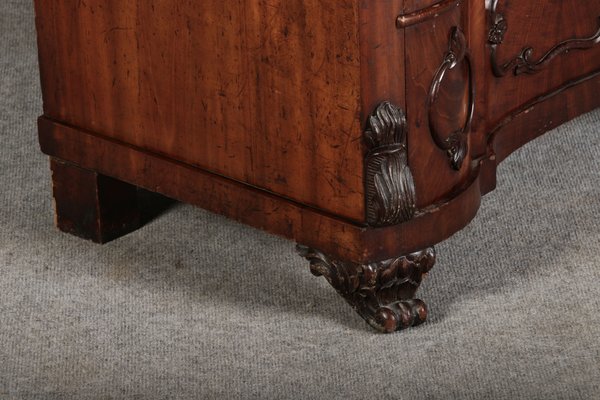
<point x="196" y="306"/>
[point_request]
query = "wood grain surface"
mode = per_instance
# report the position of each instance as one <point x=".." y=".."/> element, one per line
<point x="265" y="92"/>
<point x="258" y="109"/>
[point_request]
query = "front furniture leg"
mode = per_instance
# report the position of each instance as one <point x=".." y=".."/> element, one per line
<point x="91" y="205"/>
<point x="381" y="292"/>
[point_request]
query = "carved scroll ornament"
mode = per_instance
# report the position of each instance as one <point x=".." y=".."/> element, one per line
<point x="390" y="190"/>
<point x="524" y="63"/>
<point x="382" y="292"/>
<point x="456" y="143"/>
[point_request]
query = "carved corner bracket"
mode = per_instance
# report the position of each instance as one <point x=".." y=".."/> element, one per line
<point x="523" y="63"/>
<point x="383" y="292"/>
<point x="389" y="185"/>
<point x="456" y="144"/>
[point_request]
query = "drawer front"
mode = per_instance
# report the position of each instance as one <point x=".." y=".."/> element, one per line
<point x="440" y="79"/>
<point x="537" y="47"/>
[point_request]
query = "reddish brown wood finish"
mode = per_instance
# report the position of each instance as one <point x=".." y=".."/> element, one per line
<point x="335" y="236"/>
<point x="424" y="157"/>
<point x="420" y="7"/>
<point x="382" y="52"/>
<point x="258" y="110"/>
<point x="522" y="106"/>
<point x="543" y="113"/>
<point x="245" y="89"/>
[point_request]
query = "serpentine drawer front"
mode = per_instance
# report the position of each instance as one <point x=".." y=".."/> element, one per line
<point x="366" y="131"/>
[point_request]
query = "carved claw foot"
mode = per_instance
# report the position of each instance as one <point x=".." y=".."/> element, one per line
<point x="382" y="292"/>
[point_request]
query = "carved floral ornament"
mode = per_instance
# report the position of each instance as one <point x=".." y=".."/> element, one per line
<point x="523" y="63"/>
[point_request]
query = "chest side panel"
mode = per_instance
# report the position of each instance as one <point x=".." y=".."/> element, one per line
<point x="265" y="92"/>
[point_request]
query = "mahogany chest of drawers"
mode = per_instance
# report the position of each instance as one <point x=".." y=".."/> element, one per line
<point x="365" y="130"/>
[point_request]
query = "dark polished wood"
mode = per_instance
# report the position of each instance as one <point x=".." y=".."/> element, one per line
<point x="364" y="130"/>
<point x="382" y="292"/>
<point x="389" y="185"/>
<point x="93" y="206"/>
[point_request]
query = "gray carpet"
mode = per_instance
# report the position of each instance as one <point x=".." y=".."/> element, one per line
<point x="196" y="306"/>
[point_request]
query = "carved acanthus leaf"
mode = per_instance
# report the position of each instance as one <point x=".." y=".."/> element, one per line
<point x="389" y="183"/>
<point x="382" y="292"/>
